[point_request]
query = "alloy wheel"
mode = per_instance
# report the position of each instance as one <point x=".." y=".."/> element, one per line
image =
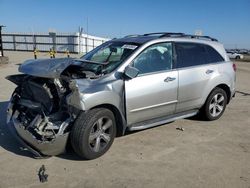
<point x="216" y="105"/>
<point x="100" y="134"/>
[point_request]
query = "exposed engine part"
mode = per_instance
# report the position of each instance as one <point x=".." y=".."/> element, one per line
<point x="76" y="72"/>
<point x="36" y="106"/>
<point x="59" y="85"/>
<point x="42" y="127"/>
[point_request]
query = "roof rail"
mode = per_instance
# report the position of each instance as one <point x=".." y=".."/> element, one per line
<point x="164" y="34"/>
<point x="172" y="34"/>
<point x="135" y="35"/>
<point x="201" y="37"/>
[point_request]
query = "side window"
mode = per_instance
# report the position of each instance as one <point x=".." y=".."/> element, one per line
<point x="157" y="57"/>
<point x="190" y="54"/>
<point x="213" y="55"/>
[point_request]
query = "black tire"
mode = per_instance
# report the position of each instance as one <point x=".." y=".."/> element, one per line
<point x="86" y="133"/>
<point x="237" y="57"/>
<point x="212" y="109"/>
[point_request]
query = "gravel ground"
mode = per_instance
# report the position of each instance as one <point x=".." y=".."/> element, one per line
<point x="205" y="154"/>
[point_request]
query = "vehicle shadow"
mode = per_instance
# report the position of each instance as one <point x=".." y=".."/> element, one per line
<point x="7" y="140"/>
<point x="70" y="155"/>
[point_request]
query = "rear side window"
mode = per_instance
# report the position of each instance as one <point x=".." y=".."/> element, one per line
<point x="213" y="55"/>
<point x="192" y="54"/>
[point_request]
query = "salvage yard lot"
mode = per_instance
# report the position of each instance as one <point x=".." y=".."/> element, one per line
<point x="205" y="154"/>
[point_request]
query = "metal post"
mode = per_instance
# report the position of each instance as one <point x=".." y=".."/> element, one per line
<point x="87" y="35"/>
<point x="50" y="53"/>
<point x="14" y="42"/>
<point x="53" y="36"/>
<point x="35" y="53"/>
<point x="34" y="41"/>
<point x="1" y="41"/>
<point x="86" y="44"/>
<point x="67" y="53"/>
<point x="80" y="40"/>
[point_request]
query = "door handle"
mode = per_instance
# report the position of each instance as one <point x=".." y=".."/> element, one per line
<point x="209" y="71"/>
<point x="169" y="79"/>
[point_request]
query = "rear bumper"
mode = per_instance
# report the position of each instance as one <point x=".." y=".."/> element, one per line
<point x="233" y="94"/>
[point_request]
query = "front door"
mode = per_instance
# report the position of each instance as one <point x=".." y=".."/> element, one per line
<point x="153" y="93"/>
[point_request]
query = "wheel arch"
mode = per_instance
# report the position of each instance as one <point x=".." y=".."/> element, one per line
<point x="226" y="88"/>
<point x="120" y="120"/>
<point x="223" y="86"/>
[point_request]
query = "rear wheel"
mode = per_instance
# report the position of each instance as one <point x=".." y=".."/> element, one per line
<point x="93" y="133"/>
<point x="215" y="104"/>
<point x="237" y="57"/>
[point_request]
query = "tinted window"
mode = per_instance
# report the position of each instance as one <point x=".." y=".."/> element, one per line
<point x="192" y="54"/>
<point x="213" y="55"/>
<point x="155" y="58"/>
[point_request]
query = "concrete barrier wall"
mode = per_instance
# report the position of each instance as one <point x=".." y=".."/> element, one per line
<point x="74" y="42"/>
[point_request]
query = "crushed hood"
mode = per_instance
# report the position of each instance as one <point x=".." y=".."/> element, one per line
<point x="48" y="68"/>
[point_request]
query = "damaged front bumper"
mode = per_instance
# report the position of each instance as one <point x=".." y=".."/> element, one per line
<point x="39" y="148"/>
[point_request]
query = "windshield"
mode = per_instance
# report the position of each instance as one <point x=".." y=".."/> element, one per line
<point x="108" y="56"/>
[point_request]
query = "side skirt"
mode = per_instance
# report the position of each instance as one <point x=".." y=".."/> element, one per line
<point x="161" y="121"/>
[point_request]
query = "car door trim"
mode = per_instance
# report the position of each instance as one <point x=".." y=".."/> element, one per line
<point x="153" y="106"/>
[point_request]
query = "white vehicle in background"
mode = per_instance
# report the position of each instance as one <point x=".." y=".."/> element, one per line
<point x="234" y="55"/>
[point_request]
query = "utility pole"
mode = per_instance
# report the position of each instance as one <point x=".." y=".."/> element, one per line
<point x="33" y="38"/>
<point x="87" y="30"/>
<point x="52" y="34"/>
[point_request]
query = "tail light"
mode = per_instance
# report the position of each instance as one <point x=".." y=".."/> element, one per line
<point x="234" y="67"/>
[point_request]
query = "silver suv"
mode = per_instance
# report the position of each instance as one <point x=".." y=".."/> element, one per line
<point x="131" y="83"/>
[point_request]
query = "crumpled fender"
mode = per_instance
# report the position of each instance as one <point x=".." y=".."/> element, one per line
<point x="86" y="94"/>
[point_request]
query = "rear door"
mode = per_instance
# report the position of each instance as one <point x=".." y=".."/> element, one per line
<point x="196" y="64"/>
<point x="153" y="93"/>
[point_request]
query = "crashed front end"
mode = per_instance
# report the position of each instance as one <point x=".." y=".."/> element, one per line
<point x="38" y="113"/>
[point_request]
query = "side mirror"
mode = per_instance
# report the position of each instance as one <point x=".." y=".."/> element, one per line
<point x="131" y="72"/>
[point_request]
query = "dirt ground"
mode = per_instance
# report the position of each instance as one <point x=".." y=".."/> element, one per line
<point x="205" y="154"/>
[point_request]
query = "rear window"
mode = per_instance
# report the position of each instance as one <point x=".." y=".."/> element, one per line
<point x="192" y="54"/>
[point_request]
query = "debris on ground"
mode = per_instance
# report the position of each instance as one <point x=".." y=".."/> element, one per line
<point x="180" y="128"/>
<point x="140" y="155"/>
<point x="41" y="174"/>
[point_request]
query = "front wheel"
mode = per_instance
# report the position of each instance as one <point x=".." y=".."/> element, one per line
<point x="93" y="133"/>
<point x="215" y="104"/>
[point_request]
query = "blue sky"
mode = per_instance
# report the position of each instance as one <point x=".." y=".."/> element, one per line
<point x="227" y="20"/>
